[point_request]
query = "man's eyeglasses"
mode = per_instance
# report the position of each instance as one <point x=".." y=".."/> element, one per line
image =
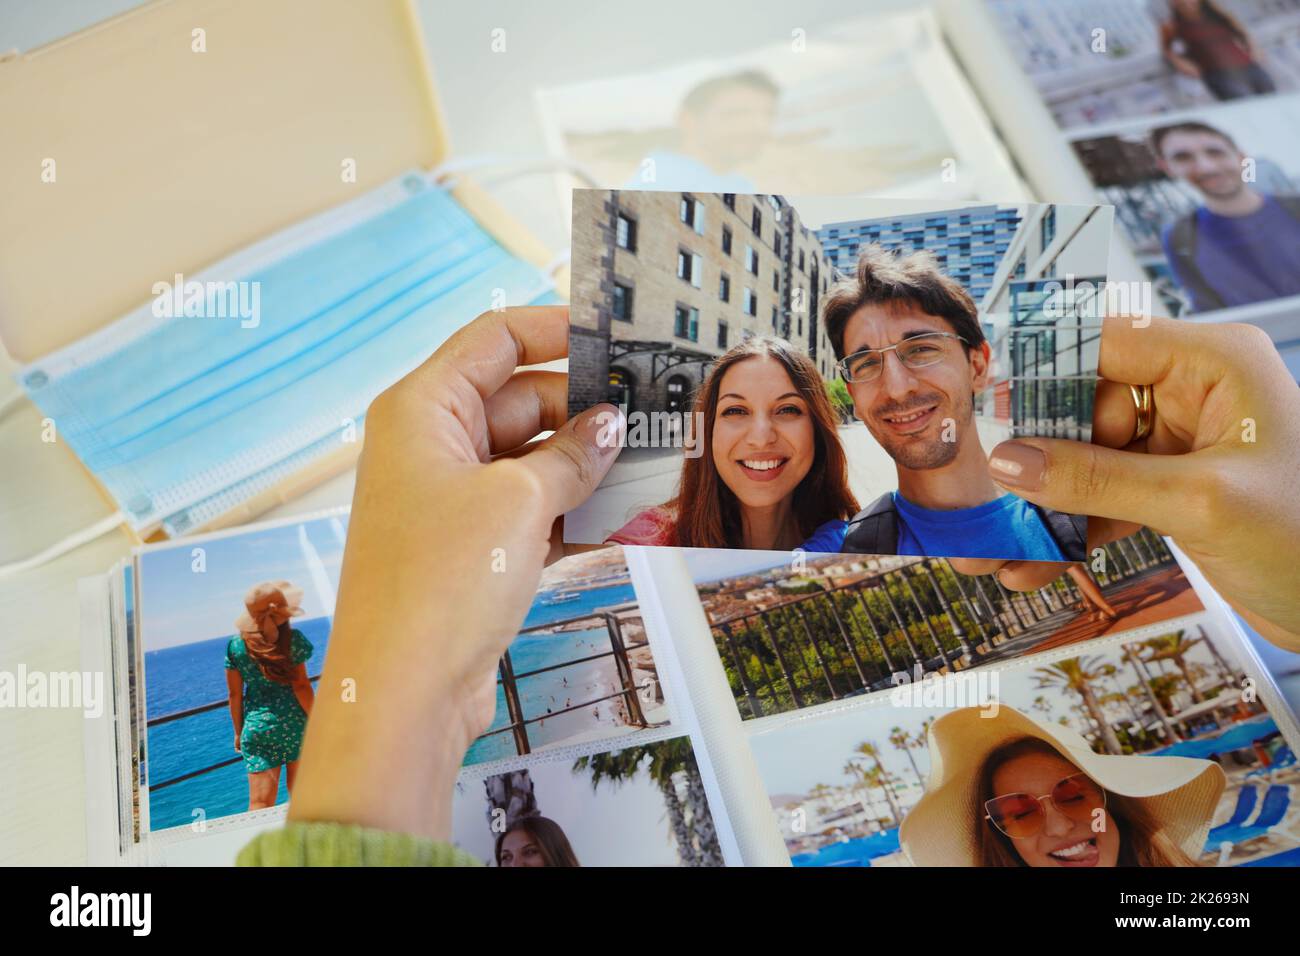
<point x="1021" y="815"/>
<point x="919" y="351"/>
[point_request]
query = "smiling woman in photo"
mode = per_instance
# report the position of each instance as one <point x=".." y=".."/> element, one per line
<point x="1007" y="790"/>
<point x="773" y="471"/>
<point x="534" y="841"/>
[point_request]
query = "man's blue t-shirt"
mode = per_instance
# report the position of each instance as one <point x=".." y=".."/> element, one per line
<point x="1244" y="259"/>
<point x="1006" y="527"/>
<point x="828" y="538"/>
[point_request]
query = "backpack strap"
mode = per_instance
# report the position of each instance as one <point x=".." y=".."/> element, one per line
<point x="874" y="530"/>
<point x="1182" y="245"/>
<point x="1070" y="532"/>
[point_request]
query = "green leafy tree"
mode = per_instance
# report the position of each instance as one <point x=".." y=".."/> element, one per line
<point x="1078" y="675"/>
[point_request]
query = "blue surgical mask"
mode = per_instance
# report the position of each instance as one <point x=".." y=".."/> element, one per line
<point x="184" y="416"/>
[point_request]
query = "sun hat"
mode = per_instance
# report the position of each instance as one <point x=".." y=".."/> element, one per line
<point x="268" y="605"/>
<point x="1180" y="793"/>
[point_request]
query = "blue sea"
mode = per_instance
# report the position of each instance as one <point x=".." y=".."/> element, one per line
<point x="181" y="678"/>
<point x="557" y="689"/>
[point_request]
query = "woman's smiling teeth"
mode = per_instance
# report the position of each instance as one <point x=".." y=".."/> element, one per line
<point x="1075" y="850"/>
<point x="762" y="469"/>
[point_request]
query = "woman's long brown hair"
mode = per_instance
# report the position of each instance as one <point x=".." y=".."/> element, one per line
<point x="1141" y="840"/>
<point x="549" y="837"/>
<point x="707" y="512"/>
<point x="272" y="657"/>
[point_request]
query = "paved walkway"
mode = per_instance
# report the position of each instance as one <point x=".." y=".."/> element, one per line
<point x="1157" y="596"/>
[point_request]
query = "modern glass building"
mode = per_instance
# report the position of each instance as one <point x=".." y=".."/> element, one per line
<point x="1053" y="344"/>
<point x="968" y="243"/>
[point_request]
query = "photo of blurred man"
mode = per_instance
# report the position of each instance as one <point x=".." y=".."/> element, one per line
<point x="1242" y="244"/>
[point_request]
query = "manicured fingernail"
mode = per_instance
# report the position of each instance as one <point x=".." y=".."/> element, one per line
<point x="606" y="428"/>
<point x="1018" y="466"/>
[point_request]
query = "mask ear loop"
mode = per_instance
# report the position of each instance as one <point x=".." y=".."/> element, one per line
<point x="70" y="543"/>
<point x="558" y="262"/>
<point x="445" y="174"/>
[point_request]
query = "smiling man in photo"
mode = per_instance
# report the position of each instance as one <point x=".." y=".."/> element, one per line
<point x="1242" y="245"/>
<point x="913" y="354"/>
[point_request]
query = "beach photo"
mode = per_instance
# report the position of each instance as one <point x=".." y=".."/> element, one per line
<point x="794" y="634"/>
<point x="831" y="373"/>
<point x="1210" y="203"/>
<point x="234" y="630"/>
<point x="870" y="104"/>
<point x="1096" y="61"/>
<point x="581" y="668"/>
<point x="644" y="805"/>
<point x="1152" y="752"/>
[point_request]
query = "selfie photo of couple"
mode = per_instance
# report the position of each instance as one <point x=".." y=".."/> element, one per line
<point x="840" y="375"/>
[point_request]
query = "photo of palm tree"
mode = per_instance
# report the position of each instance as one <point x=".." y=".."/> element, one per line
<point x="840" y="785"/>
<point x="644" y="805"/>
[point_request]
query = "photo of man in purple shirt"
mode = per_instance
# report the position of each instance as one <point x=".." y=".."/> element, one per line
<point x="1241" y="245"/>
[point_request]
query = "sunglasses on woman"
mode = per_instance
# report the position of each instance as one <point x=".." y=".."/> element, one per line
<point x="1021" y="815"/>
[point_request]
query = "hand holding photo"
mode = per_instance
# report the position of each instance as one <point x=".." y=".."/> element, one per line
<point x="839" y="384"/>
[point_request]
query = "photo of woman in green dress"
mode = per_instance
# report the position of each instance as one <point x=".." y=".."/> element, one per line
<point x="270" y="692"/>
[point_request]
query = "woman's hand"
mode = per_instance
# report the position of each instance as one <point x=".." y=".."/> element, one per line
<point x="1217" y="473"/>
<point x="237" y="747"/>
<point x="445" y="547"/>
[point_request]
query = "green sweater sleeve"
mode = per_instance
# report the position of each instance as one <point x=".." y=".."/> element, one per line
<point x="339" y="844"/>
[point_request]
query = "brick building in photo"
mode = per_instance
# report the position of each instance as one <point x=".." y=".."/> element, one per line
<point x="664" y="282"/>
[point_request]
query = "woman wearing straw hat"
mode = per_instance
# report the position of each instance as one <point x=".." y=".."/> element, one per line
<point x="270" y="693"/>
<point x="1007" y="790"/>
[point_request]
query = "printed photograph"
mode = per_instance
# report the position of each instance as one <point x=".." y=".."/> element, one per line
<point x="825" y="628"/>
<point x="1150" y="753"/>
<point x="235" y="630"/>
<point x="1209" y="201"/>
<point x="644" y="805"/>
<point x="823" y="372"/>
<point x="1096" y="61"/>
<point x="872" y="104"/>
<point x="581" y="668"/>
